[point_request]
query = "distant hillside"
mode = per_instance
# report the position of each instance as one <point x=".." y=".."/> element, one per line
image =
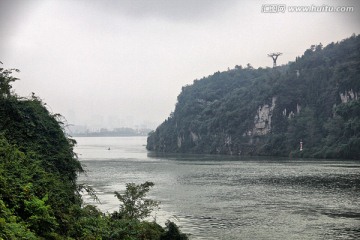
<point x="246" y="111"/>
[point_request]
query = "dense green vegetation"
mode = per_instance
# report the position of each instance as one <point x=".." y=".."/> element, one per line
<point x="39" y="196"/>
<point x="247" y="111"/>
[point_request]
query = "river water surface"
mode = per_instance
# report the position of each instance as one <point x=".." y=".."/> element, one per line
<point x="224" y="197"/>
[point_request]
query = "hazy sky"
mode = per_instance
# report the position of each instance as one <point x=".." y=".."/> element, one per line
<point x="123" y="62"/>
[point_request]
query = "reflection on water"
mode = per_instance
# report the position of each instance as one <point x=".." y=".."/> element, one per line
<point x="224" y="197"/>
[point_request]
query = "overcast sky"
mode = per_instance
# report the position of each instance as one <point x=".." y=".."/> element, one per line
<point x="113" y="63"/>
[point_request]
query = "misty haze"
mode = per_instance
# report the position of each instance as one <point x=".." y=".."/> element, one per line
<point x="192" y="119"/>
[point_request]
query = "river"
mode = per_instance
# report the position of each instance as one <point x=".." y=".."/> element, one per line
<point x="224" y="197"/>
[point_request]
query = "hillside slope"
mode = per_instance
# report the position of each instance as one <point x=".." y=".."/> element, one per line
<point x="39" y="196"/>
<point x="38" y="169"/>
<point x="246" y="111"/>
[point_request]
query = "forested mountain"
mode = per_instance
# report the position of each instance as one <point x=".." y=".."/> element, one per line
<point x="245" y="111"/>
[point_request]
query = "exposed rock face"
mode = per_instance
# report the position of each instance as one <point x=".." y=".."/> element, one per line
<point x="349" y="95"/>
<point x="291" y="113"/>
<point x="194" y="136"/>
<point x="179" y="141"/>
<point x="262" y="120"/>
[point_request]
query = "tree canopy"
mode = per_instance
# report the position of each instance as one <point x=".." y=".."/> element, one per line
<point x="268" y="111"/>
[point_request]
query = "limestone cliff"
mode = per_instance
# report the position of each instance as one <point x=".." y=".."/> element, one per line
<point x="269" y="111"/>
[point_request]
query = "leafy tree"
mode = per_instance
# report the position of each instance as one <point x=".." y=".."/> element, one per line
<point x="134" y="205"/>
<point x="6" y="79"/>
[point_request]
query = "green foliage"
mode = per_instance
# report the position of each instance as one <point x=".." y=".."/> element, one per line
<point x="134" y="205"/>
<point x="133" y="229"/>
<point x="24" y="190"/>
<point x="6" y="79"/>
<point x="217" y="114"/>
<point x="39" y="197"/>
<point x="173" y="232"/>
<point x="89" y="223"/>
<point x="125" y="224"/>
<point x="28" y="124"/>
<point x="343" y="132"/>
<point x="41" y="219"/>
<point x="11" y="227"/>
<point x="36" y="151"/>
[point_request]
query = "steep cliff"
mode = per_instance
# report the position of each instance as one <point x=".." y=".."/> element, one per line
<point x="314" y="99"/>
